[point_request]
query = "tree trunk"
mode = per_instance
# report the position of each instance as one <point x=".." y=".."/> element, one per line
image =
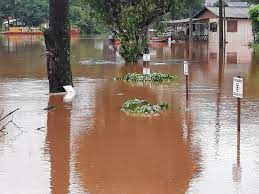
<point x="57" y="40"/>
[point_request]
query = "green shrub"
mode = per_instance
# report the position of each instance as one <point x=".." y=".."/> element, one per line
<point x="143" y="107"/>
<point x="153" y="77"/>
<point x="254" y="16"/>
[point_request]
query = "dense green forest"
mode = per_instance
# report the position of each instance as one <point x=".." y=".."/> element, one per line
<point x="35" y="12"/>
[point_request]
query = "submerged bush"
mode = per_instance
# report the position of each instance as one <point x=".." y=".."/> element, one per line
<point x="143" y="107"/>
<point x="154" y="77"/>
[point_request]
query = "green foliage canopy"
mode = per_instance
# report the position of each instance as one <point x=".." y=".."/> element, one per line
<point x="6" y="9"/>
<point x="35" y="12"/>
<point x="254" y="15"/>
<point x="131" y="18"/>
<point x="82" y="16"/>
<point x="30" y="12"/>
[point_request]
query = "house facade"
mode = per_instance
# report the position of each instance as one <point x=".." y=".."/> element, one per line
<point x="237" y="26"/>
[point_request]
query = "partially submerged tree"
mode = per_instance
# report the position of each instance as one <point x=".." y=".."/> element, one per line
<point x="57" y="40"/>
<point x="131" y="19"/>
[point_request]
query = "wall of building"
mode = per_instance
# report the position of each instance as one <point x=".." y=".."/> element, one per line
<point x="206" y="14"/>
<point x="243" y="36"/>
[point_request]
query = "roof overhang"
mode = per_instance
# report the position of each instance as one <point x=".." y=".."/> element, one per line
<point x="186" y="20"/>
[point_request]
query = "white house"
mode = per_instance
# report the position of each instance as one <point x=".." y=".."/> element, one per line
<point x="237" y="25"/>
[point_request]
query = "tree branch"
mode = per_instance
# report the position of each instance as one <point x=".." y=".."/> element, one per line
<point x="1" y="119"/>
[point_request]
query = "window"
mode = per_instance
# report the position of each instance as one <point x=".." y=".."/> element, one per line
<point x="232" y="25"/>
<point x="213" y="27"/>
<point x="232" y="58"/>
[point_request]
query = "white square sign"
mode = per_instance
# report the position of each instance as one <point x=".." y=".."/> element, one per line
<point x="186" y="68"/>
<point x="238" y="87"/>
<point x="146" y="57"/>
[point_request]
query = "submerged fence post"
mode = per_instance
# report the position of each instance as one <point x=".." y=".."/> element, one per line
<point x="238" y="90"/>
<point x="186" y="73"/>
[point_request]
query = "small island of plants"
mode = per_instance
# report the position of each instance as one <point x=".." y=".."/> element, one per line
<point x="143" y="108"/>
<point x="153" y="78"/>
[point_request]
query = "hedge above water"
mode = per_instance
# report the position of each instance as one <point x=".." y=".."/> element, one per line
<point x="153" y="77"/>
<point x="143" y="107"/>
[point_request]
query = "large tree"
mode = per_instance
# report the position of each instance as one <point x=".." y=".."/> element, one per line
<point x="131" y="19"/>
<point x="57" y="39"/>
<point x="81" y="16"/>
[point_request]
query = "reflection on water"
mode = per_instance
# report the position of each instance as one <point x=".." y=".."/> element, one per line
<point x="127" y="155"/>
<point x="58" y="143"/>
<point x="89" y="146"/>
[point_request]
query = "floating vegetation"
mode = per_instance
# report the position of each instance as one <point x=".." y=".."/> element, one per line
<point x="143" y="107"/>
<point x="153" y="77"/>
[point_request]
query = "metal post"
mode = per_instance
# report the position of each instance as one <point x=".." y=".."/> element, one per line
<point x="239" y="112"/>
<point x="224" y="15"/>
<point x="187" y="87"/>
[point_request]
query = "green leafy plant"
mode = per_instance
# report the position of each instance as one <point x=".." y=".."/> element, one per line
<point x="143" y="107"/>
<point x="153" y="78"/>
<point x="131" y="19"/>
<point x="254" y="16"/>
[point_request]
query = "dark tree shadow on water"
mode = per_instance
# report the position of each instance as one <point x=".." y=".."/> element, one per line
<point x="58" y="142"/>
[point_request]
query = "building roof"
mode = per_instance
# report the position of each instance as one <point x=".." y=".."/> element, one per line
<point x="230" y="3"/>
<point x="185" y="20"/>
<point x="231" y="12"/>
<point x="238" y="4"/>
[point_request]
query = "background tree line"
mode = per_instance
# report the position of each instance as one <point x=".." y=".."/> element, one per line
<point x="82" y="15"/>
<point x="36" y="12"/>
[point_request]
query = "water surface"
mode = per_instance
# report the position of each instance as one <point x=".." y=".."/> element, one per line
<point x="89" y="146"/>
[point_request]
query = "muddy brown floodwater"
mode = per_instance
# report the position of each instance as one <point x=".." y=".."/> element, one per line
<point x="89" y="146"/>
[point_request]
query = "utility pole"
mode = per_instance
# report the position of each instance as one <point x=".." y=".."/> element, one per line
<point x="190" y="25"/>
<point x="224" y="15"/>
<point x="221" y="33"/>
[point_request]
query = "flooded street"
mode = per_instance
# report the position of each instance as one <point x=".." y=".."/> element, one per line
<point x="90" y="146"/>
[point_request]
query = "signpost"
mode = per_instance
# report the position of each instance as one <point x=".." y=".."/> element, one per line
<point x="186" y="73"/>
<point x="146" y="60"/>
<point x="186" y="68"/>
<point x="238" y="92"/>
<point x="238" y="87"/>
<point x="146" y="57"/>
